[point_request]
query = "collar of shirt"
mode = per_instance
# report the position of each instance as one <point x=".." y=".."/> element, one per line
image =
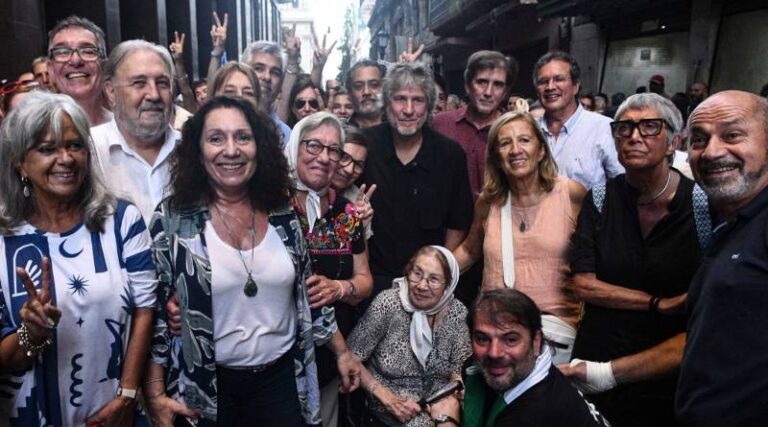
<point x="755" y="206"/>
<point x="462" y="116"/>
<point x="172" y="137"/>
<point x="567" y="126"/>
<point x="425" y="157"/>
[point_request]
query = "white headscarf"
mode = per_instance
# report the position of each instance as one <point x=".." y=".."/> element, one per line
<point x="421" y="333"/>
<point x="291" y="151"/>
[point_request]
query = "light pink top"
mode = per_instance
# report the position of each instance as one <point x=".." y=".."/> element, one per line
<point x="540" y="252"/>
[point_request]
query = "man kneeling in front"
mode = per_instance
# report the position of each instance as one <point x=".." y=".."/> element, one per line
<point x="512" y="380"/>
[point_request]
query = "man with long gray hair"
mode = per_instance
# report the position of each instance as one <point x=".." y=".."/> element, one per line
<point x="133" y="148"/>
<point x="422" y="195"/>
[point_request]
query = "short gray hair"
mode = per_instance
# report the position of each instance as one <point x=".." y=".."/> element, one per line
<point x="84" y="23"/>
<point x="411" y="74"/>
<point x="666" y="109"/>
<point x="261" y="46"/>
<point x="20" y="132"/>
<point x="129" y="46"/>
<point x="315" y="120"/>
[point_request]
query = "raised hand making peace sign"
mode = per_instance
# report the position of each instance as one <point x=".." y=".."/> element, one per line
<point x="39" y="314"/>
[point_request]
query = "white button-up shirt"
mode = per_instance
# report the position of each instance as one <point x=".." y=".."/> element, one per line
<point x="127" y="174"/>
<point x="584" y="150"/>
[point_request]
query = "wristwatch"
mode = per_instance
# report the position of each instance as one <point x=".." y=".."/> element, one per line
<point x="130" y="393"/>
<point x="352" y="289"/>
<point x="443" y="419"/>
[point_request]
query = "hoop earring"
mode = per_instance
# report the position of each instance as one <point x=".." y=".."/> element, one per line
<point x="25" y="182"/>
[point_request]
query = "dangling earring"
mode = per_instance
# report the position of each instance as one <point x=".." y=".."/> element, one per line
<point x="25" y="183"/>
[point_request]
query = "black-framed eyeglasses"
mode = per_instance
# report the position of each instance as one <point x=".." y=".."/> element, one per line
<point x="315" y="147"/>
<point x="646" y="127"/>
<point x="359" y="165"/>
<point x="299" y="103"/>
<point x="416" y="276"/>
<point x="64" y="54"/>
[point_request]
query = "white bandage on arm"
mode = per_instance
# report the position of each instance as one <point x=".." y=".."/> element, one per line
<point x="599" y="376"/>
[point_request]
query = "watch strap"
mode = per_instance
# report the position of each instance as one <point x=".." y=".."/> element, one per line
<point x="444" y="419"/>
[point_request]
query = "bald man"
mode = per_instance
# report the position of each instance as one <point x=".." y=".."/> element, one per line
<point x="724" y="373"/>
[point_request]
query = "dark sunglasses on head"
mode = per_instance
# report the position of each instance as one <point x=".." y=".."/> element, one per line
<point x="646" y="127"/>
<point x="299" y="103"/>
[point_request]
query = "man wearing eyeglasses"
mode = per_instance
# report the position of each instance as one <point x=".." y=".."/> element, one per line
<point x="364" y="84"/>
<point x="580" y="140"/>
<point x="422" y="196"/>
<point x="76" y="56"/>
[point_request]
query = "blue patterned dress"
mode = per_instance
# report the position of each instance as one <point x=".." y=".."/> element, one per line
<point x="97" y="279"/>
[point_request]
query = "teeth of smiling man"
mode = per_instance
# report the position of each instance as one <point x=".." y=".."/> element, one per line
<point x="76" y="75"/>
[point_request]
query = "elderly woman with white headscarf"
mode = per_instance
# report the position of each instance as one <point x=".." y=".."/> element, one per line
<point x="413" y="338"/>
<point x="335" y="234"/>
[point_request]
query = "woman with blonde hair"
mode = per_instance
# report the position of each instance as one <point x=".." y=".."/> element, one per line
<point x="524" y="219"/>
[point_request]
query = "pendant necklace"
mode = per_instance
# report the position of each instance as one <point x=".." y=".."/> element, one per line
<point x="524" y="223"/>
<point x="250" y="289"/>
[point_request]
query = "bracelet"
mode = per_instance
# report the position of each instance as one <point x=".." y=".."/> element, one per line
<point x="215" y="54"/>
<point x="153" y="380"/>
<point x="352" y="289"/>
<point x="25" y="342"/>
<point x="653" y="304"/>
<point x="341" y="290"/>
<point x="154" y="396"/>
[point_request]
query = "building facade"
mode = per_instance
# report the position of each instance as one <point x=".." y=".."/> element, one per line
<point x="619" y="44"/>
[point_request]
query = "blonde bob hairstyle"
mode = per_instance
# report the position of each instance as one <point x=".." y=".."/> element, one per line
<point x="496" y="186"/>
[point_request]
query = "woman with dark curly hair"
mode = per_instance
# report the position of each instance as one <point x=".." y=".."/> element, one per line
<point x="230" y="247"/>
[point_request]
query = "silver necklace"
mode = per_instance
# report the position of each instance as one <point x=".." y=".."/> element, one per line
<point x="250" y="289"/>
<point x="663" y="190"/>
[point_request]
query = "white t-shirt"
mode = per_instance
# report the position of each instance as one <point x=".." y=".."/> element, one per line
<point x="254" y="330"/>
<point x="97" y="280"/>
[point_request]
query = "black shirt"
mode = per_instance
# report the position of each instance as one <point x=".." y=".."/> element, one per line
<point x="554" y="402"/>
<point x="611" y="245"/>
<point x="724" y="375"/>
<point x="415" y="203"/>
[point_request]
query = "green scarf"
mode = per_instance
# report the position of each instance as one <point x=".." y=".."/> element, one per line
<point x="474" y="401"/>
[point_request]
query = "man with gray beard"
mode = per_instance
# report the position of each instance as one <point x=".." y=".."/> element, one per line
<point x="422" y="195"/>
<point x="364" y="83"/>
<point x="134" y="147"/>
<point x="724" y="373"/>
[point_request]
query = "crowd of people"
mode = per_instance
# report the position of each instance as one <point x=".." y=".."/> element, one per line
<point x="264" y="248"/>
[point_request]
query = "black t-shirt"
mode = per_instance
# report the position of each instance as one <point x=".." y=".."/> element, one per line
<point x="724" y="375"/>
<point x="554" y="402"/>
<point x="415" y="203"/>
<point x="610" y="244"/>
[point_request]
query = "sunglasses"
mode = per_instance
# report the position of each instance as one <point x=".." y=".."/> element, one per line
<point x="299" y="103"/>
